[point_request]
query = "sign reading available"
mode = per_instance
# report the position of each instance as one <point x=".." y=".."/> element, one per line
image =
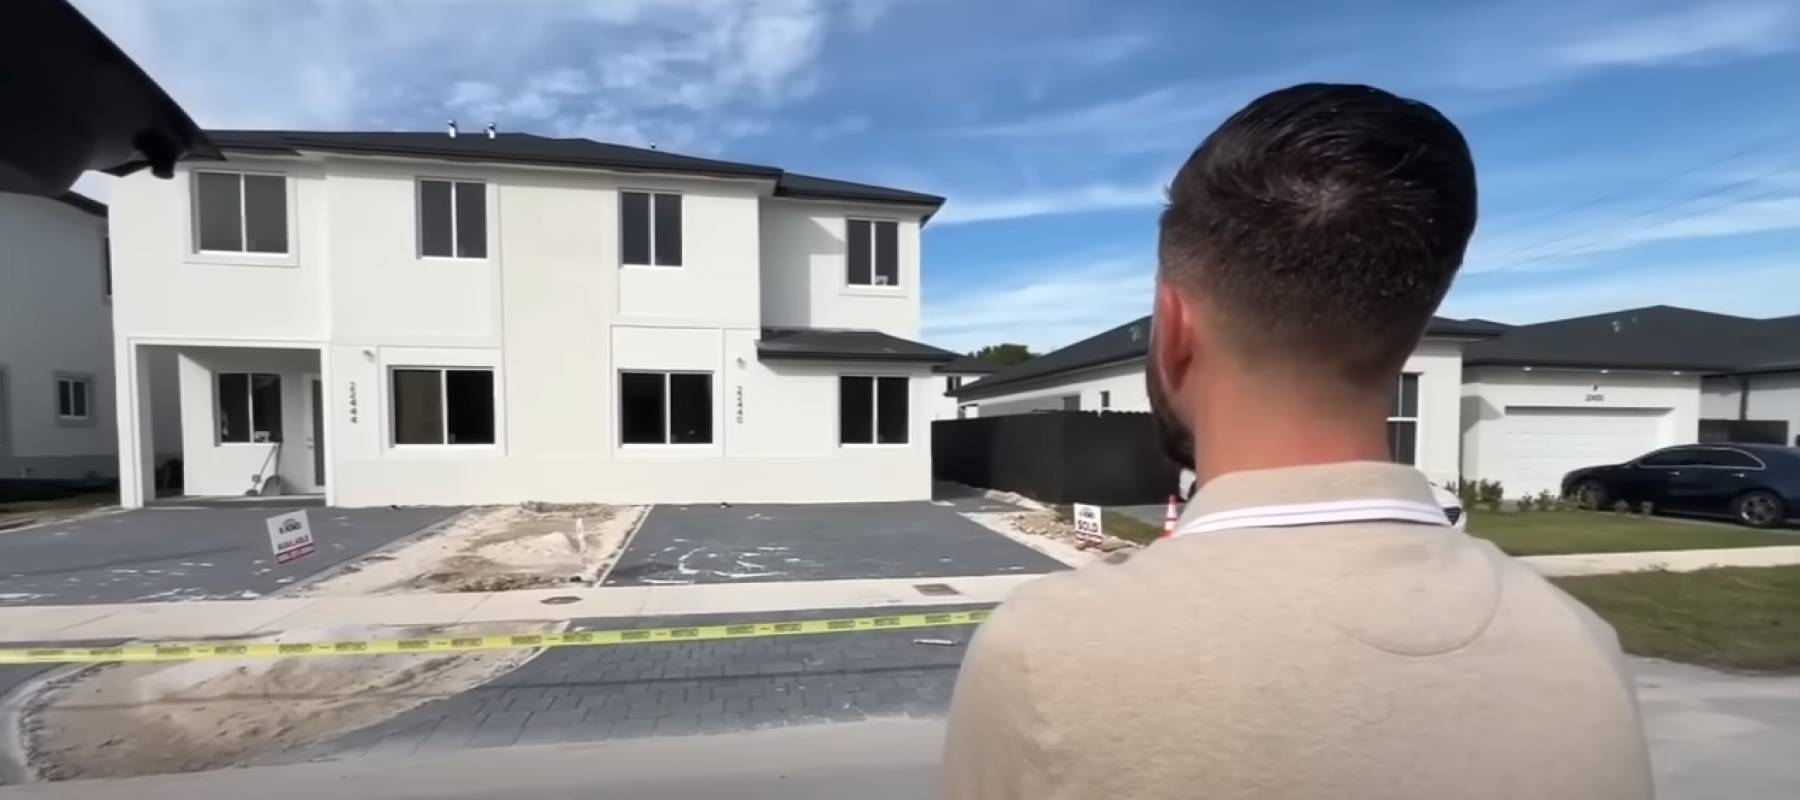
<point x="290" y="536"/>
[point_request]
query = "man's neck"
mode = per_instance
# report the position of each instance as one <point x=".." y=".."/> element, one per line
<point x="1284" y="429"/>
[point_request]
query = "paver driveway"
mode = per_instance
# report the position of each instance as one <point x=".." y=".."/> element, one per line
<point x="743" y="543"/>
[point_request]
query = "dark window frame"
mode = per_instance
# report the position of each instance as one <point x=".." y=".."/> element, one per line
<point x="1399" y="419"/>
<point x="456" y="240"/>
<point x="875" y="409"/>
<point x="249" y="437"/>
<point x="243" y="214"/>
<point x="668" y="407"/>
<point x="81" y="413"/>
<point x="443" y="397"/>
<point x="876" y="226"/>
<point x="655" y="258"/>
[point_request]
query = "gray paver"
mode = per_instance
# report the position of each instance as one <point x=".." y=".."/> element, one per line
<point x="219" y="553"/>
<point x="836" y="677"/>
<point x="766" y="542"/>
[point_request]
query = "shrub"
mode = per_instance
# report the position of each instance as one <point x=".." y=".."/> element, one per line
<point x="1490" y="493"/>
<point x="1526" y="503"/>
<point x="1621" y="507"/>
<point x="1547" y="501"/>
<point x="1647" y="508"/>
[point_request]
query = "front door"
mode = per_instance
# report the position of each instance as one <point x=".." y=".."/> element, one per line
<point x="315" y="436"/>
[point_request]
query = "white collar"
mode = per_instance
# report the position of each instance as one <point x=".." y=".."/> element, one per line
<point x="1327" y="513"/>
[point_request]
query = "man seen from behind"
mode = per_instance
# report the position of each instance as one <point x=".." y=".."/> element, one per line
<point x="1316" y="629"/>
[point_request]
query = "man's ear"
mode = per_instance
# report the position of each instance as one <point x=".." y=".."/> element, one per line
<point x="1172" y="342"/>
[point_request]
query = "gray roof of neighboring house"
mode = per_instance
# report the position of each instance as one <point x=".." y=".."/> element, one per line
<point x="969" y="365"/>
<point x="1132" y="341"/>
<point x="1653" y="337"/>
<point x="842" y="344"/>
<point x="526" y="148"/>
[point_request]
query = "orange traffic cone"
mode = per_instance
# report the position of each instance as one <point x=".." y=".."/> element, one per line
<point x="1169" y="520"/>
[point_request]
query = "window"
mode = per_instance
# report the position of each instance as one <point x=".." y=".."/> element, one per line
<point x="106" y="266"/>
<point x="1105" y="399"/>
<point x="952" y="383"/>
<point x="238" y="212"/>
<point x="650" y="229"/>
<point x="249" y="407"/>
<point x="1403" y="421"/>
<point x="872" y="410"/>
<point x="1726" y="458"/>
<point x="1672" y="457"/>
<point x="452" y="219"/>
<point x="665" y="408"/>
<point x="72" y="397"/>
<point x="443" y="406"/>
<point x="873" y="252"/>
<point x="1071" y="402"/>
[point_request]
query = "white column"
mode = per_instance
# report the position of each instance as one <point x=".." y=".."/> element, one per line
<point x="137" y="455"/>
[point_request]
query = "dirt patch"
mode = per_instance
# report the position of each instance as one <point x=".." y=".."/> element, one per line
<point x="1046" y="532"/>
<point x="141" y="719"/>
<point x="137" y="719"/>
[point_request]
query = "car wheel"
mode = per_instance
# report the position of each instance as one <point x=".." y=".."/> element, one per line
<point x="1760" y="509"/>
<point x="1590" y="495"/>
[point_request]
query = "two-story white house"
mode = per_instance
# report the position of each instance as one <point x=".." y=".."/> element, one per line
<point x="422" y="318"/>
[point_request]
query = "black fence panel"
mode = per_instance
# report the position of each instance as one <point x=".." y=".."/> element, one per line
<point x="1746" y="431"/>
<point x="1057" y="456"/>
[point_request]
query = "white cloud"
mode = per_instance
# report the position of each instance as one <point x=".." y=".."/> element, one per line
<point x="670" y="71"/>
<point x="1045" y="306"/>
<point x="1075" y="200"/>
<point x="1719" y="29"/>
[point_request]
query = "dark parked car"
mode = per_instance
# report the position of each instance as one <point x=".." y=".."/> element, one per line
<point x="1756" y="484"/>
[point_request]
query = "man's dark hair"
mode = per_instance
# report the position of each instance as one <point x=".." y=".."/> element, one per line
<point x="1323" y="222"/>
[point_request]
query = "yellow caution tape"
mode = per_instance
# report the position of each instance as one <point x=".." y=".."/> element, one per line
<point x="197" y="651"/>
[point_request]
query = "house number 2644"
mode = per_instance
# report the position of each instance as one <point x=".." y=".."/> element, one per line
<point x="740" y="405"/>
<point x="353" y="402"/>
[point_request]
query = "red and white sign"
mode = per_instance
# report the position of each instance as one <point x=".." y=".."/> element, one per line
<point x="1087" y="525"/>
<point x="290" y="536"/>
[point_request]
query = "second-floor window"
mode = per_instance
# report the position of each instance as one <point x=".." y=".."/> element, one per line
<point x="452" y="219"/>
<point x="874" y="252"/>
<point x="240" y="212"/>
<point x="1403" y="421"/>
<point x="650" y="229"/>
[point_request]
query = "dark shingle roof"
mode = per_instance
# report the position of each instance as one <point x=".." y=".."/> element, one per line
<point x="846" y="345"/>
<point x="1654" y="337"/>
<point x="526" y="148"/>
<point x="969" y="365"/>
<point x="1132" y="340"/>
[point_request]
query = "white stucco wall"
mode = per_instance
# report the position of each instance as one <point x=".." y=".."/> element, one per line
<point x="1125" y="382"/>
<point x="1488" y="392"/>
<point x="805" y="273"/>
<point x="54" y="318"/>
<point x="1773" y="396"/>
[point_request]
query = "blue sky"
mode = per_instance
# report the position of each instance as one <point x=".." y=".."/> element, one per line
<point x="1630" y="152"/>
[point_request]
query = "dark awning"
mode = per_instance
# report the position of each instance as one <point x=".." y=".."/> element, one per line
<point x="75" y="102"/>
<point x="838" y="344"/>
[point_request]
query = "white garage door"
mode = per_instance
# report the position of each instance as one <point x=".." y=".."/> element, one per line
<point x="1542" y="443"/>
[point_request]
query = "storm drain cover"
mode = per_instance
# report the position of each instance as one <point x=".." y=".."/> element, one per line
<point x="560" y="600"/>
<point x="935" y="588"/>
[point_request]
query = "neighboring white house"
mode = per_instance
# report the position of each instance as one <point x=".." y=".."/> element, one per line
<point x="1541" y="400"/>
<point x="966" y="369"/>
<point x="56" y="420"/>
<point x="1106" y="373"/>
<point x="413" y="318"/>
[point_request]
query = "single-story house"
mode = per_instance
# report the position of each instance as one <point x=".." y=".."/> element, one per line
<point x="966" y="369"/>
<point x="1105" y="372"/>
<point x="1543" y="399"/>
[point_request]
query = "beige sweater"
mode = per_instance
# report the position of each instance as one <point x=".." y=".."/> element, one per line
<point x="1362" y="660"/>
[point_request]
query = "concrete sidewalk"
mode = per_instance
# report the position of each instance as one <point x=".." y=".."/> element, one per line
<point x="246" y="618"/>
<point x="1670" y="560"/>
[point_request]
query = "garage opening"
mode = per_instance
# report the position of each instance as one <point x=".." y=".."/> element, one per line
<point x="1541" y="444"/>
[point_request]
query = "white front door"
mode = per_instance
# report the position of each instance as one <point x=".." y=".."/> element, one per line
<point x="1542" y="443"/>
<point x="313" y="428"/>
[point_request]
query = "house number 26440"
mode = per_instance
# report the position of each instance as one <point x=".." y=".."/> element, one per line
<point x="352" y="404"/>
<point x="740" y="405"/>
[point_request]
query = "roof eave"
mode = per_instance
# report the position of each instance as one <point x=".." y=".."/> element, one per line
<point x="829" y="355"/>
